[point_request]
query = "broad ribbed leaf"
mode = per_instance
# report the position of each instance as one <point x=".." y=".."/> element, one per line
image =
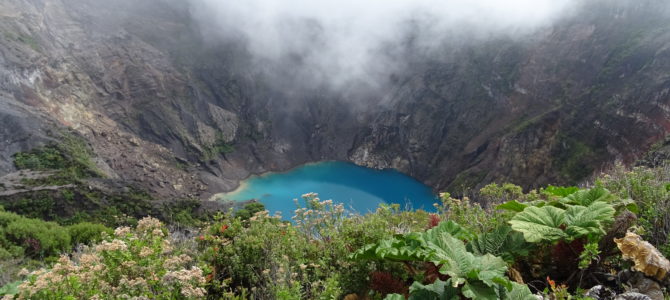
<point x="395" y="297"/>
<point x="439" y="290"/>
<point x="456" y="261"/>
<point x="478" y="277"/>
<point x="503" y="242"/>
<point x="407" y="248"/>
<point x="540" y="223"/>
<point x="561" y="191"/>
<point x="464" y="267"/>
<point x="512" y="206"/>
<point x="586" y="197"/>
<point x="519" y="292"/>
<point x="478" y="290"/>
<point x="491" y="269"/>
<point x="447" y="227"/>
<point x="584" y="221"/>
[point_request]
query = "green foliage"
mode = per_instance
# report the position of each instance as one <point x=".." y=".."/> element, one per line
<point x="502" y="242"/>
<point x="11" y="288"/>
<point x="550" y="224"/>
<point x="44" y="158"/>
<point x="219" y="147"/>
<point x="647" y="189"/>
<point x="276" y="257"/>
<point x="249" y="254"/>
<point x="519" y="292"/>
<point x="589" y="255"/>
<point x="86" y="205"/>
<point x="512" y="206"/>
<point x="476" y="277"/>
<point x="184" y="213"/>
<point x="71" y="158"/>
<point x="495" y="193"/>
<point x="471" y="216"/>
<point x="139" y="262"/>
<point x="414" y="246"/>
<point x="37" y="238"/>
<point x="439" y="290"/>
<point x="573" y="159"/>
<point x="560" y="191"/>
<point x="586" y="197"/>
<point x="249" y="210"/>
<point x="86" y="232"/>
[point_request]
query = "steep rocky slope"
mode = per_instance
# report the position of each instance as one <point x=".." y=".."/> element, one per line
<point x="186" y="115"/>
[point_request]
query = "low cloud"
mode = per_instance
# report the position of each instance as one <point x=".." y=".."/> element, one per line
<point x="342" y="41"/>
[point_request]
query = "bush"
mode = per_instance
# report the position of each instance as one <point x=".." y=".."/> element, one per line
<point x="139" y="262"/>
<point x="249" y="210"/>
<point x="266" y="258"/>
<point x="86" y="232"/>
<point x="40" y="239"/>
<point x="648" y="189"/>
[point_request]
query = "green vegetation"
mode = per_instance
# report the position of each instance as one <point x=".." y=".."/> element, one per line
<point x="572" y="159"/>
<point x="140" y="262"/>
<point x="70" y="159"/>
<point x="37" y="239"/>
<point x="219" y="147"/>
<point x="69" y="165"/>
<point x="78" y="204"/>
<point x="557" y="239"/>
<point x="22" y="38"/>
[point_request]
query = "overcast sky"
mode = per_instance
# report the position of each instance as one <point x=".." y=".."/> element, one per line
<point x="342" y="38"/>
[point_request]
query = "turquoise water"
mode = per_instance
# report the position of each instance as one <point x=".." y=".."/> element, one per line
<point x="360" y="189"/>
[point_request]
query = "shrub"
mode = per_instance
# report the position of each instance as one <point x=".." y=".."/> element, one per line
<point x="139" y="262"/>
<point x="249" y="210"/>
<point x="648" y="189"/>
<point x="86" y="232"/>
<point x="267" y="258"/>
<point x="39" y="239"/>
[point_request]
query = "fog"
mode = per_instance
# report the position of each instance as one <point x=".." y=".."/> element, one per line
<point x="340" y="41"/>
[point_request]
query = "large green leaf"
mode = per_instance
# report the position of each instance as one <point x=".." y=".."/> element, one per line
<point x="412" y="246"/>
<point x="11" y="288"/>
<point x="477" y="276"/>
<point x="407" y="248"/>
<point x="586" y="221"/>
<point x="464" y="267"/>
<point x="439" y="290"/>
<point x="478" y="290"/>
<point x="561" y="191"/>
<point x="512" y="206"/>
<point x="540" y="223"/>
<point x="448" y="227"/>
<point x="519" y="292"/>
<point x="587" y="197"/>
<point x="503" y="242"/>
<point x="395" y="297"/>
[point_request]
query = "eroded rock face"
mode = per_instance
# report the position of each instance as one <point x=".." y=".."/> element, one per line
<point x="185" y="115"/>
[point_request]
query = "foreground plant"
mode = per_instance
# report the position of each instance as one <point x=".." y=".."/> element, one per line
<point x="138" y="263"/>
<point x="466" y="274"/>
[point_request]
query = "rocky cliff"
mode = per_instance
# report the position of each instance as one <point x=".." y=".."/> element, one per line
<point x="183" y="114"/>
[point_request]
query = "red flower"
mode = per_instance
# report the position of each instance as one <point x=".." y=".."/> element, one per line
<point x="551" y="283"/>
<point x="224" y="227"/>
<point x="202" y="237"/>
<point x="433" y="220"/>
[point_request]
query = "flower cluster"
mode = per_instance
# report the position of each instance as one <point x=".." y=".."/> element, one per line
<point x="136" y="263"/>
<point x="318" y="217"/>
